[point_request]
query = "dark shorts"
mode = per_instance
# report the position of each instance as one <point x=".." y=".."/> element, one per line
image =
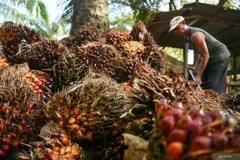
<point x="214" y="76"/>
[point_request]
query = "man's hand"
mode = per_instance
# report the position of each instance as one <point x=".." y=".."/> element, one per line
<point x="198" y="79"/>
<point x="191" y="68"/>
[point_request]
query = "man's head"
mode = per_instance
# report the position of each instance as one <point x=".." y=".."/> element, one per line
<point x="177" y="24"/>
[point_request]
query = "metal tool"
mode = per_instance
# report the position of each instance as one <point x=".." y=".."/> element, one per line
<point x="193" y="77"/>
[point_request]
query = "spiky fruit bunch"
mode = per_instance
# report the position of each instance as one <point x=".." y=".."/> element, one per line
<point x="22" y="110"/>
<point x="125" y="68"/>
<point x="90" y="110"/>
<point x="187" y="132"/>
<point x="39" y="82"/>
<point x="42" y="55"/>
<point x="86" y="33"/>
<point x="57" y="146"/>
<point x="115" y="38"/>
<point x="132" y="48"/>
<point x="11" y="35"/>
<point x="151" y="55"/>
<point x="98" y="57"/>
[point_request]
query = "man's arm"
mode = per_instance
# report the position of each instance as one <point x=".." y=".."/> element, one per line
<point x="198" y="39"/>
<point x="196" y="60"/>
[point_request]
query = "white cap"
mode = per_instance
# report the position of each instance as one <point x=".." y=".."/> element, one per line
<point x="175" y="22"/>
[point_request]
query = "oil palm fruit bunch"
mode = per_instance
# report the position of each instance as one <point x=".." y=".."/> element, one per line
<point x="97" y="56"/>
<point x="57" y="146"/>
<point x="86" y="33"/>
<point x="52" y="58"/>
<point x="124" y="69"/>
<point x="188" y="132"/>
<point x="39" y="82"/>
<point x="82" y="35"/>
<point x="22" y="110"/>
<point x="90" y="110"/>
<point x="151" y="55"/>
<point x="115" y="37"/>
<point x="42" y="55"/>
<point x="11" y="35"/>
<point x="132" y="48"/>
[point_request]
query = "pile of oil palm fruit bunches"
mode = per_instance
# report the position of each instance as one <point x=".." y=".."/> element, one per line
<point x="93" y="87"/>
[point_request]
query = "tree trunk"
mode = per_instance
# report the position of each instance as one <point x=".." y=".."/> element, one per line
<point x="90" y="12"/>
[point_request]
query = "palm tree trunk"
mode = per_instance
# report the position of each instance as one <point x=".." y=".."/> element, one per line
<point x="91" y="12"/>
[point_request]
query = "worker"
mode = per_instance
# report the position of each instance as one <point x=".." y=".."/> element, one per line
<point x="214" y="55"/>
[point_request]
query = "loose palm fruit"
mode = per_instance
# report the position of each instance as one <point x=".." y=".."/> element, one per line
<point x="200" y="143"/>
<point x="174" y="151"/>
<point x="167" y="123"/>
<point x="219" y="141"/>
<point x="177" y="135"/>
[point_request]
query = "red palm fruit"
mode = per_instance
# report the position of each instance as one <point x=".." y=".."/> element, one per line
<point x="37" y="144"/>
<point x="4" y="107"/>
<point x="219" y="141"/>
<point x="167" y="123"/>
<point x="215" y="115"/>
<point x="71" y="120"/>
<point x="1" y="152"/>
<point x="75" y="112"/>
<point x="184" y="122"/>
<point x="177" y="113"/>
<point x="233" y="144"/>
<point x="177" y="135"/>
<point x="74" y="128"/>
<point x="5" y="147"/>
<point x="200" y="143"/>
<point x="178" y="105"/>
<point x="55" y="155"/>
<point x="174" y="151"/>
<point x="236" y="131"/>
<point x="206" y="120"/>
<point x="197" y="114"/>
<point x="162" y="107"/>
<point x="48" y="152"/>
<point x="195" y="128"/>
<point x="76" y="153"/>
<point x="65" y="140"/>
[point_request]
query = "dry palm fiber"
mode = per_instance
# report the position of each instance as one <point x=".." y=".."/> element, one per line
<point x="151" y="85"/>
<point x="90" y="109"/>
<point x="231" y="104"/>
<point x="22" y="109"/>
<point x="12" y="35"/>
<point x="56" y="146"/>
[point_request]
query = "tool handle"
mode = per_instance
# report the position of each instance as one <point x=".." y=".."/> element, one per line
<point x="193" y="77"/>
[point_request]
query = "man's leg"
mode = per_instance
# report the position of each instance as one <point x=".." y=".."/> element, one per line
<point x="217" y="76"/>
<point x="204" y="78"/>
